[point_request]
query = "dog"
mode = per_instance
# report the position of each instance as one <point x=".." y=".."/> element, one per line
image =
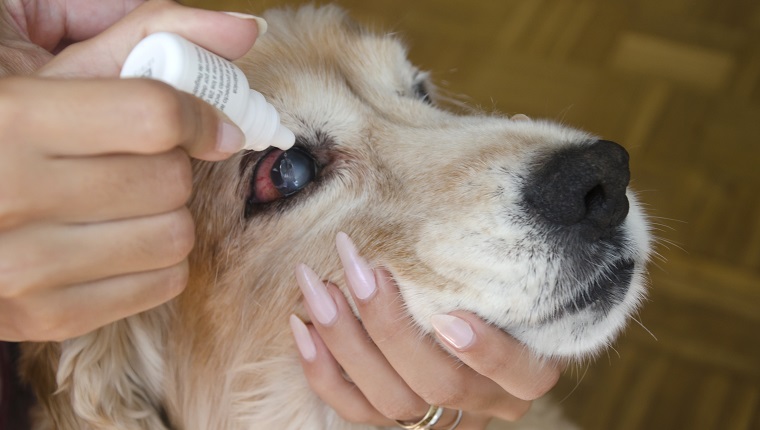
<point x="527" y="223"/>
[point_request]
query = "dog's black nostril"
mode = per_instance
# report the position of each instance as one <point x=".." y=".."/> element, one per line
<point x="582" y="185"/>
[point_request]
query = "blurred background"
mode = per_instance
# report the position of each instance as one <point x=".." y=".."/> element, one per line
<point x="677" y="82"/>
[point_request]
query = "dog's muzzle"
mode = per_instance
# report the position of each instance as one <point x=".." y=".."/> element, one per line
<point x="577" y="196"/>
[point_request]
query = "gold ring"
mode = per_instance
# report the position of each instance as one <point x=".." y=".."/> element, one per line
<point x="430" y="419"/>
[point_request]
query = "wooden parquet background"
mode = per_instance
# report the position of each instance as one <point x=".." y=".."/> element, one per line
<point x="678" y="83"/>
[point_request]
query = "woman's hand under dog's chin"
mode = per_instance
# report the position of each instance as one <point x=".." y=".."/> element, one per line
<point x="499" y="377"/>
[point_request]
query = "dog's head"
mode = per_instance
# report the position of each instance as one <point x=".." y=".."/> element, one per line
<point x="528" y="224"/>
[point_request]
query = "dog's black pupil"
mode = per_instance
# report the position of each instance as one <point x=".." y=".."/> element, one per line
<point x="292" y="170"/>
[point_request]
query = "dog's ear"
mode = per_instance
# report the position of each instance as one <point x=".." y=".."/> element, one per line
<point x="110" y="378"/>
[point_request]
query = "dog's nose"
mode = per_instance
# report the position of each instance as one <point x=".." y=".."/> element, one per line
<point x="583" y="186"/>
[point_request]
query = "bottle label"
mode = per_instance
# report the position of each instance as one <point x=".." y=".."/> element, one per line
<point x="216" y="80"/>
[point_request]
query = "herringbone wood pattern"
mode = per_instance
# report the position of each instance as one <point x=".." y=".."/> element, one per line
<point x="678" y="83"/>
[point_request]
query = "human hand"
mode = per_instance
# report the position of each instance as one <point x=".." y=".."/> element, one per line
<point x="395" y="373"/>
<point x="31" y="31"/>
<point x="95" y="175"/>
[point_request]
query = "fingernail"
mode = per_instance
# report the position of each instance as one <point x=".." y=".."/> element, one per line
<point x="319" y="300"/>
<point x="455" y="330"/>
<point x="261" y="23"/>
<point x="230" y="138"/>
<point x="360" y="276"/>
<point x="304" y="342"/>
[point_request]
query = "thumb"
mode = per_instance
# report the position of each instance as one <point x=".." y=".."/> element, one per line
<point x="229" y="35"/>
<point x="100" y="15"/>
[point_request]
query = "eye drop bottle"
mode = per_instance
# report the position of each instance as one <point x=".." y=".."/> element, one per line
<point x="174" y="60"/>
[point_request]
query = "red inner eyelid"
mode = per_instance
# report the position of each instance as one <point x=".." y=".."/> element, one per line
<point x="263" y="189"/>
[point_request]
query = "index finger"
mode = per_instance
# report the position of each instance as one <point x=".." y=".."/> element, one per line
<point x="105" y="116"/>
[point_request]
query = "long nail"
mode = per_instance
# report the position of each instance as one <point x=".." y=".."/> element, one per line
<point x="319" y="300"/>
<point x="455" y="330"/>
<point x="304" y="342"/>
<point x="261" y="23"/>
<point x="360" y="276"/>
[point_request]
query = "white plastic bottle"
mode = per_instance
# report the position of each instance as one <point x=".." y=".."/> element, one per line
<point x="172" y="59"/>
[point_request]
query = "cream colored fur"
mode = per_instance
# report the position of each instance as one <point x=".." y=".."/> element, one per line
<point x="430" y="194"/>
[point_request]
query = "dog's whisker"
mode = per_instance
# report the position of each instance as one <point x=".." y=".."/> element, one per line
<point x="667" y="243"/>
<point x="611" y="347"/>
<point x="668" y="219"/>
<point x="561" y="117"/>
<point x="664" y="226"/>
<point x="636" y="319"/>
<point x="577" y="384"/>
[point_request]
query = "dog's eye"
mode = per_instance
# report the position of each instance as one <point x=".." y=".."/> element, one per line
<point x="281" y="174"/>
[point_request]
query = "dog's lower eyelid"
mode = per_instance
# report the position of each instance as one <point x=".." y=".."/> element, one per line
<point x="247" y="161"/>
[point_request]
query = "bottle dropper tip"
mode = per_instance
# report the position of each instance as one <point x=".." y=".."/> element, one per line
<point x="283" y="138"/>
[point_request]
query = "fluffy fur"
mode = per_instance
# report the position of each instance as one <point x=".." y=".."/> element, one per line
<point x="432" y="195"/>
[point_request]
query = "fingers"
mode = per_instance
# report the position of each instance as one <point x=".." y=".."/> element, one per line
<point x="326" y="378"/>
<point x="92" y="117"/>
<point x="500" y="357"/>
<point x="115" y="298"/>
<point x="103" y="55"/>
<point x="486" y="349"/>
<point x="59" y="281"/>
<point x="444" y="381"/>
<point x="433" y="373"/>
<point x="48" y="255"/>
<point x="400" y="371"/>
<point x="63" y="313"/>
<point x="357" y="354"/>
<point x="386" y="356"/>
<point x="110" y="187"/>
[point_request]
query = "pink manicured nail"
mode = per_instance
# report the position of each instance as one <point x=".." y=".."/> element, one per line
<point x="455" y="330"/>
<point x="319" y="300"/>
<point x="261" y="23"/>
<point x="304" y="342"/>
<point x="360" y="276"/>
